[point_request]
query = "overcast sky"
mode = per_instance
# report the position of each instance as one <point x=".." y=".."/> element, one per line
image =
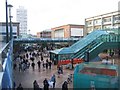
<point x="46" y="14"/>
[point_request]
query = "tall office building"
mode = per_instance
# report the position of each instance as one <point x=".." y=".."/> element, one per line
<point x="22" y="19"/>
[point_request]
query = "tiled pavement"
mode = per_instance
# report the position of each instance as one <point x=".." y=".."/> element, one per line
<point x="27" y="77"/>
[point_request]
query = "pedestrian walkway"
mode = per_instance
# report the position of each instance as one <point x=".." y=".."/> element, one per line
<point x="27" y="78"/>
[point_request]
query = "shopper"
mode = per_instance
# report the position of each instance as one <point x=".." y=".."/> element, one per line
<point x="46" y="84"/>
<point x="65" y="86"/>
<point x="33" y="66"/>
<point x="39" y="65"/>
<point x="35" y="85"/>
<point x="53" y="79"/>
<point x="20" y="87"/>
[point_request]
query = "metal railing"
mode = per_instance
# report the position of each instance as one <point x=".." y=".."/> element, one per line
<point x="4" y="52"/>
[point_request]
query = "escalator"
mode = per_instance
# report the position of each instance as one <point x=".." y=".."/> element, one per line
<point x="87" y="43"/>
<point x="105" y="41"/>
<point x="94" y="43"/>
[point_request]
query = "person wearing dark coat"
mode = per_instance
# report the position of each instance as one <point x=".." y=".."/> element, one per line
<point x="39" y="65"/>
<point x="46" y="84"/>
<point x="33" y="66"/>
<point x="49" y="63"/>
<point x="20" y="87"/>
<point x="35" y="85"/>
<point x="65" y="86"/>
<point x="46" y="65"/>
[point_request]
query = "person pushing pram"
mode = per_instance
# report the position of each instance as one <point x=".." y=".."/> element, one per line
<point x="52" y="81"/>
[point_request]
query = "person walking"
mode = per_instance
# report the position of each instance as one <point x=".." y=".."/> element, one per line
<point x="14" y="65"/>
<point x="20" y="66"/>
<point x="20" y="87"/>
<point x="49" y="63"/>
<point x="35" y="85"/>
<point x="33" y="66"/>
<point x="65" y="86"/>
<point x="39" y="65"/>
<point x="43" y="66"/>
<point x="53" y="79"/>
<point x="46" y="84"/>
<point x="46" y="65"/>
<point x="27" y="55"/>
<point x="14" y="85"/>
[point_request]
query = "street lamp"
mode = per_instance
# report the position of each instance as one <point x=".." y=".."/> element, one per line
<point x="10" y="6"/>
<point x="7" y="34"/>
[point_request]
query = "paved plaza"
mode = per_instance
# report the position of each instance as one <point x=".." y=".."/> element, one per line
<point x="27" y="78"/>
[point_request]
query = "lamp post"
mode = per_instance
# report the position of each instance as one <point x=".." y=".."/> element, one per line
<point x="7" y="34"/>
<point x="10" y="17"/>
<point x="11" y="41"/>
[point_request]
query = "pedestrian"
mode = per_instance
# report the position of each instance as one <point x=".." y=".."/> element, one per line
<point x="46" y="84"/>
<point x="14" y="85"/>
<point x="47" y="60"/>
<point x="14" y="66"/>
<point x="39" y="65"/>
<point x="32" y="59"/>
<point x="43" y="66"/>
<point x="27" y="55"/>
<point x="46" y="65"/>
<point x="41" y="58"/>
<point x="61" y="68"/>
<point x="59" y="71"/>
<point x="69" y="79"/>
<point x="53" y="79"/>
<point x="65" y="86"/>
<point x="49" y="63"/>
<point x="33" y="66"/>
<point x="28" y="65"/>
<point x="20" y="66"/>
<point x="20" y="87"/>
<point x="35" y="85"/>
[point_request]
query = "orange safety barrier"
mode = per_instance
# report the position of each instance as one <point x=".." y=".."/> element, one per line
<point x="75" y="60"/>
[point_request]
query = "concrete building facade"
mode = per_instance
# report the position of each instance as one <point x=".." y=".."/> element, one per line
<point x="15" y="28"/>
<point x="44" y="34"/>
<point x="68" y="31"/>
<point x="22" y="18"/>
<point x="104" y="21"/>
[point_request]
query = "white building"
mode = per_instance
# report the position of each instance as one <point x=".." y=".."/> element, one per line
<point x="22" y="18"/>
<point x="104" y="21"/>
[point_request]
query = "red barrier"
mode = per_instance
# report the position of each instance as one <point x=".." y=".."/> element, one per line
<point x="75" y="60"/>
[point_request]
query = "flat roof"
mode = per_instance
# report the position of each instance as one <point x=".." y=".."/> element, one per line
<point x="102" y="14"/>
<point x="62" y="51"/>
<point x="68" y="25"/>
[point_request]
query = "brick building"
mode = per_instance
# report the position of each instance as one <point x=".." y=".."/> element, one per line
<point x="68" y="31"/>
<point x="44" y="34"/>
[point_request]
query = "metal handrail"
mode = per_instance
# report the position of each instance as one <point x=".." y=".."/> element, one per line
<point x="4" y="48"/>
<point x="3" y="52"/>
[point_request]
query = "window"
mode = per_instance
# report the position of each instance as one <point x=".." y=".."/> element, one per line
<point x="107" y="19"/>
<point x="107" y="26"/>
<point x="89" y="22"/>
<point x="116" y="18"/>
<point x="98" y="21"/>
